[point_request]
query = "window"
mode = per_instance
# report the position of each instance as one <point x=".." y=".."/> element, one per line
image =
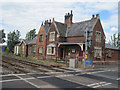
<point x="33" y="48"/>
<point x="41" y="38"/>
<point x="51" y="50"/>
<point x="98" y="36"/>
<point x="40" y="50"/>
<point x="22" y="47"/>
<point x="109" y="53"/>
<point x="52" y="36"/>
<point x="98" y="52"/>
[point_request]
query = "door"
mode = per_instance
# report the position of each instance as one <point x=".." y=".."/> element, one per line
<point x="61" y="53"/>
<point x="80" y="55"/>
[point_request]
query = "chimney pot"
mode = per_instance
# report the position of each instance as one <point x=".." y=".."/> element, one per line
<point x="97" y="16"/>
<point x="93" y="16"/>
<point x="71" y="12"/>
<point x="53" y="19"/>
<point x="50" y="20"/>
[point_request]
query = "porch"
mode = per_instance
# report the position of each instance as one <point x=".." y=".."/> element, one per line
<point x="71" y="50"/>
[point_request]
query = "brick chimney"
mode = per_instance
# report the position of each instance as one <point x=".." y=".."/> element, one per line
<point x="97" y="16"/>
<point x="93" y="16"/>
<point x="68" y="18"/>
<point x="47" y="23"/>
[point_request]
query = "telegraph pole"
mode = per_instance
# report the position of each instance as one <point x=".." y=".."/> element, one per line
<point x="86" y="35"/>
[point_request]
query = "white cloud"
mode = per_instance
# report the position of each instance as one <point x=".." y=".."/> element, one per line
<point x="114" y="29"/>
<point x="25" y="16"/>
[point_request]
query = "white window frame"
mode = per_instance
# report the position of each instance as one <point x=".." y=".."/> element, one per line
<point x="98" y="36"/>
<point x="52" y="37"/>
<point x="49" y="51"/>
<point x="40" y="52"/>
<point x="97" y="50"/>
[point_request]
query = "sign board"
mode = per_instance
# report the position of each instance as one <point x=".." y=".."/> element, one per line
<point x="85" y="56"/>
<point x="88" y="62"/>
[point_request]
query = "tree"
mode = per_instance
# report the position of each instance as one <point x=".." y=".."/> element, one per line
<point x="2" y="36"/>
<point x="12" y="39"/>
<point x="115" y="40"/>
<point x="31" y="34"/>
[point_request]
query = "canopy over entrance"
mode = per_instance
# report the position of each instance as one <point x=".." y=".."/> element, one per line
<point x="70" y="43"/>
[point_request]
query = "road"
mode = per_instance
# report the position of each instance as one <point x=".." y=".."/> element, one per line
<point x="93" y="78"/>
<point x="102" y="76"/>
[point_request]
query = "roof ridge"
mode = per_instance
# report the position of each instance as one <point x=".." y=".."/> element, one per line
<point x="84" y="21"/>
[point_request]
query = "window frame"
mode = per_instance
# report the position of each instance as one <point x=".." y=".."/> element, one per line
<point x="98" y="36"/>
<point x="52" y="37"/>
<point x="33" y="50"/>
<point x="41" y="38"/>
<point x="41" y="50"/>
<point x="98" y="50"/>
<point x="50" y="50"/>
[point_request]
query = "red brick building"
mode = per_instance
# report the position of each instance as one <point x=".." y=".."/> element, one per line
<point x="28" y="48"/>
<point x="61" y="40"/>
<point x="68" y="39"/>
<point x="112" y="53"/>
<point x="41" y="42"/>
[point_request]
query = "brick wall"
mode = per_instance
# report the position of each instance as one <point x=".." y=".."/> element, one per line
<point x="39" y="44"/>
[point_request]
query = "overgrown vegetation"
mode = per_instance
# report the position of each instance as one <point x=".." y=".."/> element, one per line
<point x="48" y="62"/>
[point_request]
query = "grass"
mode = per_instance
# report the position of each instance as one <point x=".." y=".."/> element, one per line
<point x="48" y="62"/>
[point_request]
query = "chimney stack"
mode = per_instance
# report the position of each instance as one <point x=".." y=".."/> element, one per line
<point x="97" y="16"/>
<point x="93" y="16"/>
<point x="68" y="18"/>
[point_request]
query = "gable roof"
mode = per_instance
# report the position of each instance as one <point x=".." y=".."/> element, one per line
<point x="111" y="46"/>
<point x="78" y="29"/>
<point x="46" y="28"/>
<point x="61" y="28"/>
<point x="32" y="41"/>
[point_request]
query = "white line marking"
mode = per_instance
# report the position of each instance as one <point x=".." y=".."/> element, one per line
<point x="100" y="84"/>
<point x="28" y="81"/>
<point x="9" y="80"/>
<point x="118" y="79"/>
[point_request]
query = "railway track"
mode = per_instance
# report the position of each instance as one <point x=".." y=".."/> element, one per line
<point x="22" y="66"/>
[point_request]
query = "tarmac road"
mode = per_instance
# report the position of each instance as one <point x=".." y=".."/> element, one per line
<point x="100" y="77"/>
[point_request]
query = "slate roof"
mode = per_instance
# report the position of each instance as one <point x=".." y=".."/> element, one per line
<point x="32" y="41"/>
<point x="46" y="28"/>
<point x="111" y="46"/>
<point x="78" y="29"/>
<point x="61" y="28"/>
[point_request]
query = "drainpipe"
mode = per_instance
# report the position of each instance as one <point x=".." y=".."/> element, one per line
<point x="45" y="46"/>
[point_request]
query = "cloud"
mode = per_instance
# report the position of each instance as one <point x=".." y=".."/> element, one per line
<point x="114" y="29"/>
<point x="24" y="16"/>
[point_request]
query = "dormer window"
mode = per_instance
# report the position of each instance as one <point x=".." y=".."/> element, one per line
<point x="41" y="38"/>
<point x="52" y="36"/>
<point x="98" y="36"/>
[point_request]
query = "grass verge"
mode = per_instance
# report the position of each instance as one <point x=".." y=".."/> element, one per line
<point x="47" y="62"/>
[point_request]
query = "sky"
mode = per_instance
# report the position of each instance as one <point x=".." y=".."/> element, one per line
<point x="25" y="16"/>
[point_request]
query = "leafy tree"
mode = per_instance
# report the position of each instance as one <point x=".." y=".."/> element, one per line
<point x="12" y="39"/>
<point x="115" y="40"/>
<point x="2" y="36"/>
<point x="31" y="34"/>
